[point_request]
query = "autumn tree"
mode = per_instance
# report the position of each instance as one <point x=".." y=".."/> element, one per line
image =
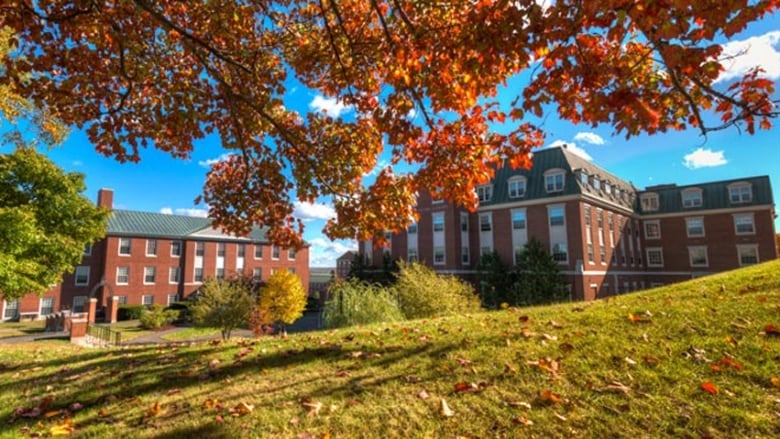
<point x="222" y="303"/>
<point x="282" y="299"/>
<point x="421" y="79"/>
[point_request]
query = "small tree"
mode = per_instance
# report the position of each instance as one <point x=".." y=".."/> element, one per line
<point x="282" y="299"/>
<point x="222" y="303"/>
<point x="356" y="302"/>
<point x="538" y="278"/>
<point x="495" y="280"/>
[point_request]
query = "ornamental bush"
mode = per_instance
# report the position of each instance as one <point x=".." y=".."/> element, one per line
<point x="421" y="292"/>
<point x="356" y="302"/>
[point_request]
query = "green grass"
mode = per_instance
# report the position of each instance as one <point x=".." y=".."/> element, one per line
<point x="571" y="370"/>
<point x="192" y="333"/>
<point x="130" y="329"/>
<point x="16" y="329"/>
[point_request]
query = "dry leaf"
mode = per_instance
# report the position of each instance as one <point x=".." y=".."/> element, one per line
<point x="64" y="429"/>
<point x="522" y="421"/>
<point x="731" y="363"/>
<point x="242" y="408"/>
<point x="549" y="396"/>
<point x="617" y="386"/>
<point x="209" y="403"/>
<point x="155" y="409"/>
<point x="445" y="409"/>
<point x="313" y="407"/>
<point x="775" y="381"/>
<point x="423" y="394"/>
<point x="709" y="388"/>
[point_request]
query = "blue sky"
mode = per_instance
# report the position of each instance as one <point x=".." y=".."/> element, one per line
<point x="162" y="184"/>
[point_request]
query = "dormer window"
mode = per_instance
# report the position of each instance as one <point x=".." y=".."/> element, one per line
<point x="484" y="193"/>
<point x="596" y="183"/>
<point x="691" y="198"/>
<point x="553" y="180"/>
<point x="516" y="187"/>
<point x="649" y="202"/>
<point x="740" y="193"/>
<point x="583" y="178"/>
<point x="607" y="187"/>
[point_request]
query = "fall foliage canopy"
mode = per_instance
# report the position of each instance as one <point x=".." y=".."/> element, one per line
<point x="138" y="73"/>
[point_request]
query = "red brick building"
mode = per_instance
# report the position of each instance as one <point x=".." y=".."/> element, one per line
<point x="151" y="258"/>
<point x="607" y="236"/>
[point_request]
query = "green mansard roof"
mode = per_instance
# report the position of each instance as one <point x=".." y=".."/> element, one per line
<point x="715" y="195"/>
<point x="159" y="225"/>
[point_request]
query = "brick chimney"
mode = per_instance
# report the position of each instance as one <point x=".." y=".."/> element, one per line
<point x="106" y="198"/>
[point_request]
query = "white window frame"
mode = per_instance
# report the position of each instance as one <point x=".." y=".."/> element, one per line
<point x="153" y="270"/>
<point x="411" y="254"/>
<point x="465" y="255"/>
<point x="291" y="254"/>
<point x="648" y="227"/>
<point x="83" y="301"/>
<point x="7" y="306"/>
<point x="195" y="275"/>
<point x="485" y="222"/>
<point x="690" y="196"/>
<point x="653" y="250"/>
<point x="76" y="275"/>
<point x="221" y="249"/>
<point x="516" y="186"/>
<point x="552" y="182"/>
<point x="524" y="220"/>
<point x="276" y="253"/>
<point x="219" y="273"/>
<point x="127" y="274"/>
<point x="257" y="273"/>
<point x="742" y="216"/>
<point x="241" y="250"/>
<point x="260" y="248"/>
<point x="175" y="297"/>
<point x="153" y="243"/>
<point x="484" y="192"/>
<point x="412" y="228"/>
<point x="751" y="247"/>
<point x="88" y="250"/>
<point x="200" y="248"/>
<point x="121" y="245"/>
<point x="40" y="306"/>
<point x="688" y="227"/>
<point x="649" y="202"/>
<point x="150" y="301"/>
<point x="464" y="222"/>
<point x="737" y="188"/>
<point x="553" y="253"/>
<point x="550" y="216"/>
<point x="434" y="217"/>
<point x="176" y="244"/>
<point x="692" y="249"/>
<point x="171" y="278"/>
<point x="442" y="253"/>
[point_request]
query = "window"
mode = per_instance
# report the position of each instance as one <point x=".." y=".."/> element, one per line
<point x="88" y="250"/>
<point x="220" y="273"/>
<point x="691" y="198"/>
<point x="150" y="273"/>
<point x="743" y="224"/>
<point x="122" y="275"/>
<point x="486" y="250"/>
<point x="258" y="251"/>
<point x="122" y="300"/>
<point x="583" y="178"/>
<point x="694" y="227"/>
<point x="607" y="187"/>
<point x="560" y="252"/>
<point x="485" y="222"/>
<point x="220" y="249"/>
<point x="438" y="222"/>
<point x="649" y="202"/>
<point x="698" y="256"/>
<point x="257" y="274"/>
<point x="412" y="229"/>
<point x="173" y="275"/>
<point x="655" y="257"/>
<point x="553" y="180"/>
<point x="590" y="254"/>
<point x="438" y="255"/>
<point x="241" y="250"/>
<point x="47" y="306"/>
<point x="147" y="299"/>
<point x="484" y="193"/>
<point x="172" y="298"/>
<point x="516" y="187"/>
<point x="411" y="254"/>
<point x="740" y="193"/>
<point x="291" y="254"/>
<point x="200" y="248"/>
<point x="124" y="246"/>
<point x="151" y="247"/>
<point x="198" y="277"/>
<point x="291" y="270"/>
<point x="587" y="215"/>
<point x="556" y="216"/>
<point x="611" y="220"/>
<point x="518" y="254"/>
<point x="82" y="275"/>
<point x="596" y="183"/>
<point x="464" y="222"/>
<point x="518" y="219"/>
<point x="276" y="251"/>
<point x="748" y="254"/>
<point x="600" y="218"/>
<point x="652" y="229"/>
<point x="10" y="309"/>
<point x="175" y="248"/>
<point x="78" y="304"/>
<point x="465" y="257"/>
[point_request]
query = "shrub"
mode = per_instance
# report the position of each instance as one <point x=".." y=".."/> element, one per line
<point x="538" y="281"/>
<point x="182" y="310"/>
<point x="157" y="316"/>
<point x="282" y="299"/>
<point x="222" y="303"/>
<point x="129" y="312"/>
<point x="355" y="302"/>
<point x="421" y="292"/>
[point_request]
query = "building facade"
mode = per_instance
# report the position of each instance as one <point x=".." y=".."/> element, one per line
<point x="607" y="236"/>
<point x="149" y="258"/>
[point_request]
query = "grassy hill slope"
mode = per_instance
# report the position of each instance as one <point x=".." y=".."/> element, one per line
<point x="699" y="359"/>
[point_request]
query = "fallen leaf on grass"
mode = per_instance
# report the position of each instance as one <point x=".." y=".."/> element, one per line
<point x="155" y="409"/>
<point x="772" y="330"/>
<point x="523" y="319"/>
<point x="548" y="396"/>
<point x="209" y="403"/>
<point x="445" y="409"/>
<point x="521" y="420"/>
<point x="522" y="404"/>
<point x="242" y="408"/>
<point x="313" y="407"/>
<point x="775" y="381"/>
<point x="423" y="394"/>
<point x="617" y="386"/>
<point x="470" y="387"/>
<point x="731" y="363"/>
<point x="173" y="391"/>
<point x="709" y="388"/>
<point x="64" y="429"/>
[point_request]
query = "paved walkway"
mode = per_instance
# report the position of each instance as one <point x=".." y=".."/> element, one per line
<point x="34" y="337"/>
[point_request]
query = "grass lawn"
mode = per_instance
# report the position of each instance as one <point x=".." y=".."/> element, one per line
<point x="192" y="332"/>
<point x="130" y="329"/>
<point x="16" y="329"/>
<point x="700" y="359"/>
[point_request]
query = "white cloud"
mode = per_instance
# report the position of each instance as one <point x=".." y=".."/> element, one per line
<point x="761" y="50"/>
<point x="587" y="137"/>
<point x="209" y="162"/>
<point x="185" y="211"/>
<point x="313" y="211"/>
<point x="330" y="106"/>
<point x="571" y="147"/>
<point x="323" y="252"/>
<point x="704" y="158"/>
<point x="78" y="163"/>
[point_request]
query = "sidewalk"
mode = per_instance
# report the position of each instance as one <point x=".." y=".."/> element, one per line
<point x="35" y="337"/>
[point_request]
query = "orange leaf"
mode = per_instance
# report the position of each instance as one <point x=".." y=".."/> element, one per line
<point x="549" y="396"/>
<point x="772" y="330"/>
<point x="731" y="363"/>
<point x="775" y="381"/>
<point x="709" y="388"/>
<point x="155" y="409"/>
<point x="64" y="429"/>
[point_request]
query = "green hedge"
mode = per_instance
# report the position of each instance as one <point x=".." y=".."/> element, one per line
<point x="129" y="312"/>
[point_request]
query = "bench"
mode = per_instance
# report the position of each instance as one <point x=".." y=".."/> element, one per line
<point x="31" y="316"/>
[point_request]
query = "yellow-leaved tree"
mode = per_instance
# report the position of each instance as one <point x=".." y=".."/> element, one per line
<point x="282" y="299"/>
